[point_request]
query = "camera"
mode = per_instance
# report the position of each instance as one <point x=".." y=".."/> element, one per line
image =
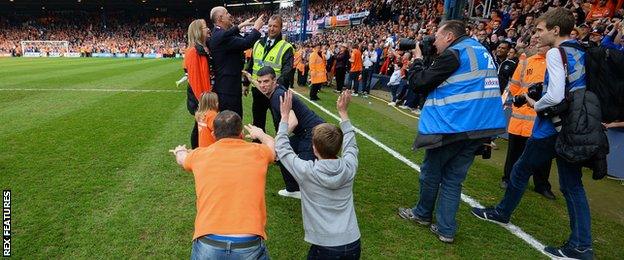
<point x="426" y="45"/>
<point x="534" y="92"/>
<point x="485" y="150"/>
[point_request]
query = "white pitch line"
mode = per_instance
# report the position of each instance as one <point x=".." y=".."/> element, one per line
<point x="515" y="230"/>
<point x="94" y="90"/>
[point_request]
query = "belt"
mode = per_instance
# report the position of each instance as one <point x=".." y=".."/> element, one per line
<point x="233" y="245"/>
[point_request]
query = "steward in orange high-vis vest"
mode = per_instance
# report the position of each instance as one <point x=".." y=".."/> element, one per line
<point x="530" y="70"/>
<point x="318" y="73"/>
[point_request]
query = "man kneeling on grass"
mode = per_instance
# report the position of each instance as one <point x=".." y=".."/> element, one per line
<point x="326" y="184"/>
<point x="230" y="178"/>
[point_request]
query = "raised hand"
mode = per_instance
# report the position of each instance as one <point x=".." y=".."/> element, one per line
<point x="246" y="23"/>
<point x="253" y="132"/>
<point x="259" y="22"/>
<point x="342" y="104"/>
<point x="286" y="105"/>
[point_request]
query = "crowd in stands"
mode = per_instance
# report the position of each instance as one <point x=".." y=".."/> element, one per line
<point x="388" y="21"/>
<point x="506" y="32"/>
<point x="89" y="33"/>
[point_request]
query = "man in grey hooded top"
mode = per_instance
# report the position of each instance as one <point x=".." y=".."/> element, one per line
<point x="326" y="184"/>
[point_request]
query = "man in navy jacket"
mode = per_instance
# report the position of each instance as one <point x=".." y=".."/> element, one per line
<point x="226" y="47"/>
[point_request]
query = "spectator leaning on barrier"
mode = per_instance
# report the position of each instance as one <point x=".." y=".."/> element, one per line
<point x="554" y="29"/>
<point x="463" y="111"/>
<point x="230" y="178"/>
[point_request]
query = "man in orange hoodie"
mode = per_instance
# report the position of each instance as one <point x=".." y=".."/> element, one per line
<point x="356" y="69"/>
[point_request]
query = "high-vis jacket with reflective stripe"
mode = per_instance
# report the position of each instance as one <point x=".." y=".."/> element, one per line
<point x="530" y="70"/>
<point x="469" y="100"/>
<point x="575" y="79"/>
<point x="318" y="74"/>
<point x="273" y="58"/>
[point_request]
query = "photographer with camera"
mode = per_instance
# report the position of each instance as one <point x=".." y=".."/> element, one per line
<point x="528" y="79"/>
<point x="565" y="74"/>
<point x="463" y="111"/>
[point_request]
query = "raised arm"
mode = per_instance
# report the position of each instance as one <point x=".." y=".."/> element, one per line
<point x="257" y="133"/>
<point x="296" y="166"/>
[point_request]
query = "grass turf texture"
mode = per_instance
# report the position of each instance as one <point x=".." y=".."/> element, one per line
<point x="91" y="177"/>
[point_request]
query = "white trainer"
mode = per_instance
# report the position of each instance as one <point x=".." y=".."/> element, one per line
<point x="293" y="194"/>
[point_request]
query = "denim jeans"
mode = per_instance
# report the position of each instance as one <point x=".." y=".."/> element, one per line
<point x="354" y="83"/>
<point x="442" y="173"/>
<point x="367" y="75"/>
<point x="536" y="153"/>
<point x="347" y="252"/>
<point x="399" y="93"/>
<point x="204" y="251"/>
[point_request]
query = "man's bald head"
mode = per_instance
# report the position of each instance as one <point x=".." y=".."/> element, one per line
<point x="216" y="12"/>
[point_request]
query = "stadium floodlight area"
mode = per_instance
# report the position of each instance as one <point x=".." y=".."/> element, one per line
<point x="45" y="48"/>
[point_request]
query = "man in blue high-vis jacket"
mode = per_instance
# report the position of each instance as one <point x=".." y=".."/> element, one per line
<point x="563" y="73"/>
<point x="463" y="110"/>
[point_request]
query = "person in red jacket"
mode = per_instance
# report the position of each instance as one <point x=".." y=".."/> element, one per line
<point x="196" y="65"/>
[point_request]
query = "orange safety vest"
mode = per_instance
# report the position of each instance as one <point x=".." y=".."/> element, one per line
<point x="299" y="65"/>
<point x="318" y="74"/>
<point x="530" y="70"/>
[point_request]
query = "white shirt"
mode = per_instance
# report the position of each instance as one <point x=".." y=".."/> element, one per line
<point x="369" y="61"/>
<point x="556" y="81"/>
<point x="269" y="42"/>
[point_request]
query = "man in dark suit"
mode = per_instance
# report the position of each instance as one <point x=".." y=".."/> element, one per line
<point x="227" y="48"/>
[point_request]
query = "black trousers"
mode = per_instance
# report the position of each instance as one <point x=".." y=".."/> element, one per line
<point x="302" y="146"/>
<point x="314" y="90"/>
<point x="346" y="252"/>
<point x="301" y="78"/>
<point x="191" y="105"/>
<point x="259" y="107"/>
<point x="195" y="137"/>
<point x="514" y="150"/>
<point x="231" y="102"/>
<point x="340" y="78"/>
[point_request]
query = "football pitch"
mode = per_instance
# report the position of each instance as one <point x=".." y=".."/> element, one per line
<point x="84" y="150"/>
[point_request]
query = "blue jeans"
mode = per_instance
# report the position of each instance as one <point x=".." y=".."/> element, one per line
<point x="347" y="252"/>
<point x="536" y="153"/>
<point x="354" y="83"/>
<point x="202" y="250"/>
<point x="398" y="92"/>
<point x="443" y="171"/>
<point x="367" y="75"/>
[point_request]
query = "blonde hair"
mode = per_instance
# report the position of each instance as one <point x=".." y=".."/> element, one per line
<point x="208" y="102"/>
<point x="194" y="34"/>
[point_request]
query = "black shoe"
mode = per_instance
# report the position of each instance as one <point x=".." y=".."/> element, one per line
<point x="443" y="238"/>
<point x="407" y="213"/>
<point x="567" y="252"/>
<point x="315" y="99"/>
<point x="489" y="214"/>
<point x="547" y="194"/>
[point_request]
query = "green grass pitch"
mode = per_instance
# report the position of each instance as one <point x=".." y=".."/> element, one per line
<point x="91" y="176"/>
